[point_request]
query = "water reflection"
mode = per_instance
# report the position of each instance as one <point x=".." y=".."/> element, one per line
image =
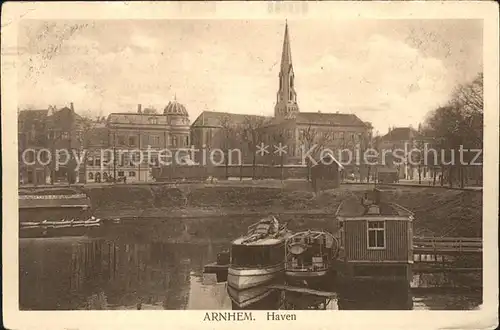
<point x="101" y="274"/>
<point x="77" y="273"/>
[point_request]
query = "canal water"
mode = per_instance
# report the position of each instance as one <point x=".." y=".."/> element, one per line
<point x="138" y="271"/>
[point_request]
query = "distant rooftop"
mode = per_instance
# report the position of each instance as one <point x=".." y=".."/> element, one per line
<point x="214" y="118"/>
<point x="401" y="134"/>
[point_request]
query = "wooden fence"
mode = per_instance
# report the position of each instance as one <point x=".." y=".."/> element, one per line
<point x="436" y="245"/>
<point x="169" y="173"/>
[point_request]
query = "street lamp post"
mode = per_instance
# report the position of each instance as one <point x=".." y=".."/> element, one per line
<point x="114" y="156"/>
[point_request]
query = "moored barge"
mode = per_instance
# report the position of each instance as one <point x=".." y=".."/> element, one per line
<point x="256" y="260"/>
<point x="309" y="258"/>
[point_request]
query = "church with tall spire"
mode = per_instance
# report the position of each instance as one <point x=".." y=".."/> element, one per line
<point x="286" y="98"/>
<point x="288" y="125"/>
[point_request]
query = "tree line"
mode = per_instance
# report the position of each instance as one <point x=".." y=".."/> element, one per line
<point x="455" y="125"/>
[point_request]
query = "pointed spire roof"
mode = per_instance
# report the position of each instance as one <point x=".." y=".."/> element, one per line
<point x="286" y="55"/>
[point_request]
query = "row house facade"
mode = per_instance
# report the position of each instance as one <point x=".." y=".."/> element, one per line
<point x="99" y="150"/>
<point x="48" y="143"/>
<point x="32" y="136"/>
<point x="140" y="141"/>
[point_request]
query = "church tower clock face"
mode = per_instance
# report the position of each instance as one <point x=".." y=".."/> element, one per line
<point x="286" y="99"/>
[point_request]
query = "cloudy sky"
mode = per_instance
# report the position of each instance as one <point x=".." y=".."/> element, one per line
<point x="389" y="72"/>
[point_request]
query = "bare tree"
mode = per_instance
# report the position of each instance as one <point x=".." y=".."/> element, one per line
<point x="228" y="133"/>
<point x="366" y="142"/>
<point x="418" y="158"/>
<point x="458" y="124"/>
<point x="279" y="138"/>
<point x="313" y="141"/>
<point x="252" y="133"/>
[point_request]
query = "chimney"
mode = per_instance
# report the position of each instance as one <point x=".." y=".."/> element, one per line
<point x="71" y="107"/>
<point x="139" y="108"/>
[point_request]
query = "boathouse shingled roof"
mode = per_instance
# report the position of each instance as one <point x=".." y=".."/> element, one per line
<point x="353" y="207"/>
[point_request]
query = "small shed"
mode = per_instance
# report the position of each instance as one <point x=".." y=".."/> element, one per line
<point x="376" y="237"/>
<point x="325" y="174"/>
<point x="54" y="207"/>
<point x="387" y="175"/>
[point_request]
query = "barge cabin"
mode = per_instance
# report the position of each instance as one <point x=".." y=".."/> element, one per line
<point x="376" y="240"/>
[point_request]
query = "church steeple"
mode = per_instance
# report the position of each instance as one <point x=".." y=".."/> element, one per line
<point x="286" y="98"/>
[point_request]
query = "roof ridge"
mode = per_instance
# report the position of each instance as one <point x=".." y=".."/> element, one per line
<point x="328" y="113"/>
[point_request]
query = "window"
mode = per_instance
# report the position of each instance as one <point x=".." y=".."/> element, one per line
<point x="187" y="140"/>
<point x="132" y="141"/>
<point x="121" y="140"/>
<point x="121" y="173"/>
<point x="90" y="162"/>
<point x="155" y="140"/>
<point x="376" y="234"/>
<point x="174" y="141"/>
<point x="107" y="159"/>
<point x="208" y="138"/>
<point x="153" y="120"/>
<point x="154" y="160"/>
<point x="65" y="135"/>
<point x="98" y="162"/>
<point x="44" y="156"/>
<point x="131" y="173"/>
<point x="130" y="161"/>
<point x="91" y="176"/>
<point x="120" y="161"/>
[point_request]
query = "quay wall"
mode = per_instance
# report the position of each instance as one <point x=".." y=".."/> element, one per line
<point x="440" y="212"/>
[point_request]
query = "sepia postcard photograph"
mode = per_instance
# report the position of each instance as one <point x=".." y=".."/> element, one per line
<point x="270" y="164"/>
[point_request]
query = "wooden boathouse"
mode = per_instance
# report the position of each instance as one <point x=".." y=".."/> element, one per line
<point x="376" y="238"/>
<point x="48" y="206"/>
<point x="325" y="174"/>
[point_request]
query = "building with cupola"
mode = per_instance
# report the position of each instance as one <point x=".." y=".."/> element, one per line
<point x="290" y="126"/>
<point x="144" y="132"/>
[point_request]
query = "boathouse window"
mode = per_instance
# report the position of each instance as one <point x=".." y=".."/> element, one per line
<point x="376" y="234"/>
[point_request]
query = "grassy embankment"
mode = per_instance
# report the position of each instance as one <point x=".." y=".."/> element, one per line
<point x="438" y="211"/>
